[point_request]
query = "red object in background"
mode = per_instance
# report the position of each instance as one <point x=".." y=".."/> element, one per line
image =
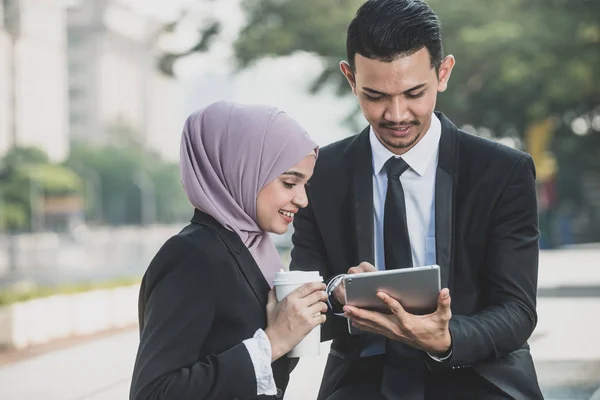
<point x="547" y="194"/>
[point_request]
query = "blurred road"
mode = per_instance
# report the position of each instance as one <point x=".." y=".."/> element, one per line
<point x="565" y="347"/>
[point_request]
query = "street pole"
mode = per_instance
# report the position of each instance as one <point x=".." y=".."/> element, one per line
<point x="93" y="183"/>
<point x="36" y="205"/>
<point x="2" y="211"/>
<point x="10" y="237"/>
<point x="147" y="202"/>
<point x="147" y="197"/>
<point x="12" y="23"/>
<point x="13" y="92"/>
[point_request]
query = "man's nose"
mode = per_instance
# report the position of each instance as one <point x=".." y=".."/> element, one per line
<point x="396" y="110"/>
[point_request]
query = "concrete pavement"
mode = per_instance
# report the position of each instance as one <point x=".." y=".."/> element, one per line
<point x="101" y="370"/>
<point x="98" y="370"/>
<point x="565" y="347"/>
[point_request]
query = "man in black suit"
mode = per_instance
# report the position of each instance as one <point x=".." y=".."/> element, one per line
<point x="412" y="189"/>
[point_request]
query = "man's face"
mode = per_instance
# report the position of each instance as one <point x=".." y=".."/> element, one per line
<point x="397" y="98"/>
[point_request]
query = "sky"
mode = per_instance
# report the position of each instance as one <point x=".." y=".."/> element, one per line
<point x="164" y="10"/>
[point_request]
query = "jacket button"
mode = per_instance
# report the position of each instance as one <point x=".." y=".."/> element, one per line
<point x="279" y="393"/>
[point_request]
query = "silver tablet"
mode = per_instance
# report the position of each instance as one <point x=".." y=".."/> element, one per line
<point x="417" y="289"/>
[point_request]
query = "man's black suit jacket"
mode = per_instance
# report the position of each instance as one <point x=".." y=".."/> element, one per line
<point x="486" y="245"/>
<point x="202" y="295"/>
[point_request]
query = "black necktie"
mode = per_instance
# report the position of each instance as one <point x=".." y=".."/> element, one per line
<point x="403" y="371"/>
<point x="396" y="243"/>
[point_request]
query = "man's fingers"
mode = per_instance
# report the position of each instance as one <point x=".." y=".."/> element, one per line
<point x="272" y="299"/>
<point x="354" y="270"/>
<point x="359" y="313"/>
<point x="371" y="321"/>
<point x="362" y="267"/>
<point x="444" y="301"/>
<point x="340" y="293"/>
<point x="365" y="316"/>
<point x="392" y="304"/>
<point x="367" y="267"/>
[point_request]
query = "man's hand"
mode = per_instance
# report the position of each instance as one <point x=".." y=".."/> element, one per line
<point x="429" y="332"/>
<point x="340" y="291"/>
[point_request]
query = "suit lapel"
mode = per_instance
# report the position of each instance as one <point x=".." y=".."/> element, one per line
<point x="362" y="190"/>
<point x="445" y="186"/>
<point x="253" y="275"/>
<point x="240" y="253"/>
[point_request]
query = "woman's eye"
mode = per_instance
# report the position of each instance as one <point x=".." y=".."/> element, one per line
<point x="288" y="185"/>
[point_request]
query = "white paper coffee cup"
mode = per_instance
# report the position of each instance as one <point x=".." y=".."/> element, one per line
<point x="286" y="282"/>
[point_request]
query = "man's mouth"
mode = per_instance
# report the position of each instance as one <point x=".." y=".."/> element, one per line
<point x="400" y="131"/>
<point x="402" y="128"/>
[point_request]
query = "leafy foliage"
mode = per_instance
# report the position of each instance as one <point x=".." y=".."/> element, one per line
<point x="520" y="64"/>
<point x="118" y="182"/>
<point x="131" y="178"/>
<point x="28" y="176"/>
<point x="517" y="60"/>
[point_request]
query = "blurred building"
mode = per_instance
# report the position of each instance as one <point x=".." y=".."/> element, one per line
<point x="37" y="28"/>
<point x="115" y="88"/>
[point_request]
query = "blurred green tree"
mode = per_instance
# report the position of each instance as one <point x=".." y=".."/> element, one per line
<point x="28" y="178"/>
<point x="131" y="179"/>
<point x="518" y="61"/>
<point x="525" y="69"/>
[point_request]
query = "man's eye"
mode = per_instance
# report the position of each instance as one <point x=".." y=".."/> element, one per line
<point x="415" y="96"/>
<point x="373" y="98"/>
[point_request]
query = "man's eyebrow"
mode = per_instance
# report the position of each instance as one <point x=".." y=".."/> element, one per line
<point x="367" y="89"/>
<point x="412" y="89"/>
<point x="295" y="173"/>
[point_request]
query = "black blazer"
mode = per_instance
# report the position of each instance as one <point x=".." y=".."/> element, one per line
<point x="486" y="245"/>
<point x="201" y="296"/>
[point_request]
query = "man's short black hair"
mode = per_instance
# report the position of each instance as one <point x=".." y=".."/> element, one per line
<point x="387" y="29"/>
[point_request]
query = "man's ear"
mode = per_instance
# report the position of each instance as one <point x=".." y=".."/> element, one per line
<point x="349" y="74"/>
<point x="444" y="72"/>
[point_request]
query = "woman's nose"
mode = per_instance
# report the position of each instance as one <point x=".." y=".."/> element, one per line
<point x="300" y="200"/>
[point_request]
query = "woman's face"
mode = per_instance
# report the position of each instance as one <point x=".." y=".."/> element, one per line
<point x="279" y="201"/>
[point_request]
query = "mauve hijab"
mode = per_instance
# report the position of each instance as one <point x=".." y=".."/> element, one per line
<point x="229" y="152"/>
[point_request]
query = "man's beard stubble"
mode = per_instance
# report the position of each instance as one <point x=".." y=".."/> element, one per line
<point x="401" y="145"/>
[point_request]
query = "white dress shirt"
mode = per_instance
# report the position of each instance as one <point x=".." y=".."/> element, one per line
<point x="418" y="184"/>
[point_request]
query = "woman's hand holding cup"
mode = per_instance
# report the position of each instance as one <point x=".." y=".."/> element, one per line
<point x="294" y="316"/>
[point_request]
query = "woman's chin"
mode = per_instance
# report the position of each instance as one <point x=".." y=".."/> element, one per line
<point x="280" y="229"/>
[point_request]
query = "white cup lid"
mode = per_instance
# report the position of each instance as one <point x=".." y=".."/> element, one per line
<point x="296" y="277"/>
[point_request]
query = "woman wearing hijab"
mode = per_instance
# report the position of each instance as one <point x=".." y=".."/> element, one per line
<point x="210" y="325"/>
